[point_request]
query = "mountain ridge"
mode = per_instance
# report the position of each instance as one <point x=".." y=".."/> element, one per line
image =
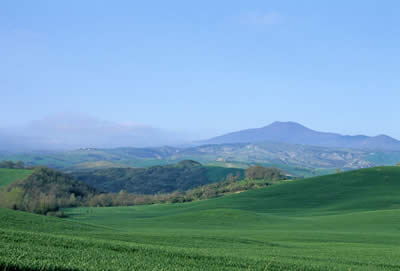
<point x="295" y="133"/>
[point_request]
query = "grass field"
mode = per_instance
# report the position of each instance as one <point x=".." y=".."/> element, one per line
<point x="7" y="175"/>
<point x="346" y="221"/>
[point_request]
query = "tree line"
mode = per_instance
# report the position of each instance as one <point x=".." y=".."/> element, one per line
<point x="47" y="191"/>
<point x="12" y="165"/>
<point x="182" y="176"/>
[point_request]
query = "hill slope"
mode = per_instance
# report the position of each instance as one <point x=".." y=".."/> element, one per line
<point x="182" y="176"/>
<point x="337" y="222"/>
<point x="346" y="221"/>
<point x="294" y="133"/>
<point x="43" y="191"/>
<point x="8" y="176"/>
<point x="369" y="189"/>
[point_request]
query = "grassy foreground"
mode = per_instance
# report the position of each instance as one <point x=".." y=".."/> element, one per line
<point x="347" y="221"/>
<point x="8" y="176"/>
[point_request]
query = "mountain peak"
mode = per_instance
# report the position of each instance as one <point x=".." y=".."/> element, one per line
<point x="294" y="133"/>
<point x="383" y="136"/>
<point x="286" y="124"/>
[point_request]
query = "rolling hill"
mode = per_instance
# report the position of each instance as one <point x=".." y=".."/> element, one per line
<point x="371" y="189"/>
<point x="298" y="160"/>
<point x="41" y="190"/>
<point x="8" y="176"/>
<point x="181" y="176"/>
<point x="346" y="221"/>
<point x="295" y="133"/>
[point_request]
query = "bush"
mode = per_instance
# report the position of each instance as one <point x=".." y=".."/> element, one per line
<point x="264" y="173"/>
<point x="59" y="214"/>
<point x="12" y="165"/>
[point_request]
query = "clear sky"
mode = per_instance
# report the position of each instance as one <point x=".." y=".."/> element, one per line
<point x="205" y="67"/>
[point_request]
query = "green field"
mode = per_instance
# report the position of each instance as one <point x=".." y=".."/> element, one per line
<point x="346" y="221"/>
<point x="7" y="175"/>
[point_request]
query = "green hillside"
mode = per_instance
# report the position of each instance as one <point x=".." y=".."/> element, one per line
<point x="97" y="165"/>
<point x="8" y="176"/>
<point x="346" y="221"/>
<point x="366" y="190"/>
<point x="181" y="176"/>
<point x="43" y="191"/>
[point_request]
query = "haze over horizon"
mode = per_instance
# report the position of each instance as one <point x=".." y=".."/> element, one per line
<point x="67" y="132"/>
<point x="192" y="71"/>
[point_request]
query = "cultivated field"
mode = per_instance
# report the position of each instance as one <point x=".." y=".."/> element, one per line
<point x="346" y="221"/>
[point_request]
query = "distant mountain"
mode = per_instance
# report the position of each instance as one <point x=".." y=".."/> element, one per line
<point x="287" y="145"/>
<point x="296" y="159"/>
<point x="295" y="133"/>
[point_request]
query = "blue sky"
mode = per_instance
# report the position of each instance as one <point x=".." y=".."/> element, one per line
<point x="203" y="67"/>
